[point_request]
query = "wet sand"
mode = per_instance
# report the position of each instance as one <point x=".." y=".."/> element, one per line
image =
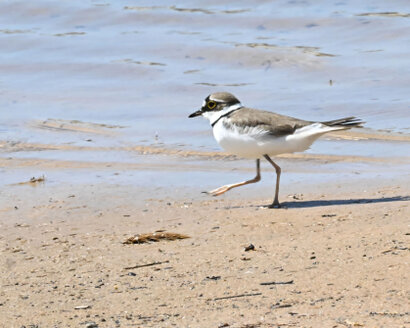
<point x="336" y="257"/>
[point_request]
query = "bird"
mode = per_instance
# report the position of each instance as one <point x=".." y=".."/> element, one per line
<point x="255" y="134"/>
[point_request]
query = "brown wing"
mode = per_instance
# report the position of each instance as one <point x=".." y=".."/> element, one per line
<point x="276" y="124"/>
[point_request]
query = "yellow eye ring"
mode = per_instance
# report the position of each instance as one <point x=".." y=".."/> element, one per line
<point x="211" y="104"/>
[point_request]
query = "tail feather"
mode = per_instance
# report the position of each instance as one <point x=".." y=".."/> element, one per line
<point x="347" y="122"/>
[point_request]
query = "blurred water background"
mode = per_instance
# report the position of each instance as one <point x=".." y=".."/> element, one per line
<point x="127" y="73"/>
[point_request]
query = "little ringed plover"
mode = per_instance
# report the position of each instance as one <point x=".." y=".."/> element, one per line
<point x="252" y="133"/>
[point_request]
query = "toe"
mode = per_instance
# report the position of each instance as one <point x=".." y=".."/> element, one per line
<point x="218" y="191"/>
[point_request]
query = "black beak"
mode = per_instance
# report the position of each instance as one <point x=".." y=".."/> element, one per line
<point x="197" y="113"/>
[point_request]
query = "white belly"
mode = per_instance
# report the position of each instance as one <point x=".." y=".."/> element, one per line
<point x="254" y="142"/>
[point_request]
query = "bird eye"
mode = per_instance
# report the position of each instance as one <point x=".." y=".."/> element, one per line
<point x="211" y="104"/>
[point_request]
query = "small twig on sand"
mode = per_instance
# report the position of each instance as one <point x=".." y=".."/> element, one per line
<point x="236" y="296"/>
<point x="145" y="265"/>
<point x="277" y="283"/>
<point x="33" y="181"/>
<point x="280" y="306"/>
<point x="154" y="237"/>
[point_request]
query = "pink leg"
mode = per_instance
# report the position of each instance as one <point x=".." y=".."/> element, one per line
<point x="224" y="189"/>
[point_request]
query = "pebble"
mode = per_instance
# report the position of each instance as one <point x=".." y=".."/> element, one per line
<point x="82" y="307"/>
<point x="251" y="247"/>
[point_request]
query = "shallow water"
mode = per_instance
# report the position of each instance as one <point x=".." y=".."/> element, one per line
<point x="142" y="69"/>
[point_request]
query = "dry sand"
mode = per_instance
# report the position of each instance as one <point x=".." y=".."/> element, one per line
<point x="331" y="259"/>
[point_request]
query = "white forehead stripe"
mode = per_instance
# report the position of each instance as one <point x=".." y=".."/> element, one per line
<point x="216" y="99"/>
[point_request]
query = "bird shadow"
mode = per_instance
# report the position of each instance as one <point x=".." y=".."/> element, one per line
<point x="330" y="202"/>
<point x="333" y="202"/>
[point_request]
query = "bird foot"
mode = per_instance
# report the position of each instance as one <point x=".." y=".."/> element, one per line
<point x="276" y="205"/>
<point x="218" y="191"/>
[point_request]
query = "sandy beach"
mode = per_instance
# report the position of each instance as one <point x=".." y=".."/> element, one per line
<point x="336" y="256"/>
<point x="96" y="148"/>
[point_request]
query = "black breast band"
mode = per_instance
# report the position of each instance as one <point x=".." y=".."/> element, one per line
<point x="224" y="115"/>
